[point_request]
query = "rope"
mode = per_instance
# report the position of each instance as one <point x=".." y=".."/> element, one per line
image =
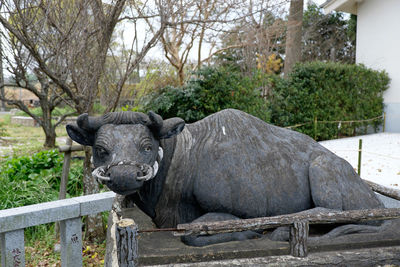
<point x="350" y="121"/>
<point x="360" y="150"/>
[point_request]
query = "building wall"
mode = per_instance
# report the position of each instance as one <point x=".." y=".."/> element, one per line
<point x="378" y="47"/>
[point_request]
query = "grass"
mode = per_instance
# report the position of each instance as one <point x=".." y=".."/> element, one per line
<point x="24" y="139"/>
<point x="41" y="252"/>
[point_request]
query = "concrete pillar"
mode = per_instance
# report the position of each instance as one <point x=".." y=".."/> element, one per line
<point x="12" y="248"/>
<point x="71" y="242"/>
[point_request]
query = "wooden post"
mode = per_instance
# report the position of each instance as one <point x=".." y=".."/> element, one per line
<point x="65" y="171"/>
<point x="359" y="156"/>
<point x="315" y="128"/>
<point x="127" y="245"/>
<point x="298" y="239"/>
<point x="384" y="121"/>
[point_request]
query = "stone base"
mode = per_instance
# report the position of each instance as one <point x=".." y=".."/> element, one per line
<point x="163" y="248"/>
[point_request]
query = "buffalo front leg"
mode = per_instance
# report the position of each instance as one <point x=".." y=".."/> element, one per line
<point x="205" y="240"/>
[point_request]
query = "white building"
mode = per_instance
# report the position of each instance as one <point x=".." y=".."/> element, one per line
<point x="378" y="45"/>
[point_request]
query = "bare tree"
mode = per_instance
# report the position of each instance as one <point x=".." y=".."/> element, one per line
<point x="178" y="38"/>
<point x="259" y="34"/>
<point x="294" y="34"/>
<point x="190" y="25"/>
<point x="68" y="43"/>
<point x="29" y="77"/>
<point x="327" y="36"/>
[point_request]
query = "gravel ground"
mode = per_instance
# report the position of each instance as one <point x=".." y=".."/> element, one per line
<point x="380" y="160"/>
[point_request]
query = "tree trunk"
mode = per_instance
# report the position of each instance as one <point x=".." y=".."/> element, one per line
<point x="293" y="36"/>
<point x="46" y="123"/>
<point x="50" y="141"/>
<point x="94" y="223"/>
<point x="181" y="75"/>
<point x="3" y="104"/>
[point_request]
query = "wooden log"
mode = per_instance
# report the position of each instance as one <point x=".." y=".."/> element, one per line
<point x="70" y="148"/>
<point x="330" y="217"/>
<point x="127" y="246"/>
<point x="298" y="239"/>
<point x="384" y="190"/>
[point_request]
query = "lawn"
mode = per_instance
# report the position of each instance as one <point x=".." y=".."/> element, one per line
<point x="21" y="139"/>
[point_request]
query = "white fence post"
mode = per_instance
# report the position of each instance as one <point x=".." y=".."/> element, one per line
<point x="71" y="242"/>
<point x="12" y="248"/>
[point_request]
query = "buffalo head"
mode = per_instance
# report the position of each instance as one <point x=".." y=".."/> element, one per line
<point x="126" y="146"/>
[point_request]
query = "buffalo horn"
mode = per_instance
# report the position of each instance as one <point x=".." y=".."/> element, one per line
<point x="90" y="123"/>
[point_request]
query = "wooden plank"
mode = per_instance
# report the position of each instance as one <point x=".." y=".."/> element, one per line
<point x="12" y="249"/>
<point x="69" y="148"/>
<point x="352" y="216"/>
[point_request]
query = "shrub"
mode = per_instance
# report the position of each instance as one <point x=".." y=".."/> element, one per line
<point x="210" y="90"/>
<point x="27" y="180"/>
<point x="329" y="92"/>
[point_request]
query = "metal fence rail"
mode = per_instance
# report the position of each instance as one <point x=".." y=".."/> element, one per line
<point x="67" y="211"/>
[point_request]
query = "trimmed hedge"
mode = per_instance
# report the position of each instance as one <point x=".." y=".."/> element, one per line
<point x="318" y="91"/>
<point x="210" y="90"/>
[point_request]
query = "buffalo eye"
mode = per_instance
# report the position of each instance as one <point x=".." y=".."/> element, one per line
<point x="147" y="148"/>
<point x="101" y="152"/>
<point x="146" y="145"/>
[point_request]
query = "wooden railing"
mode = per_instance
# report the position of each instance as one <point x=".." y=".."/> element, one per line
<point x="299" y="224"/>
<point x="67" y="211"/>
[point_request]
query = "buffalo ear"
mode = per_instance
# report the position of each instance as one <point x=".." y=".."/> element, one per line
<point x="171" y="127"/>
<point x="80" y="135"/>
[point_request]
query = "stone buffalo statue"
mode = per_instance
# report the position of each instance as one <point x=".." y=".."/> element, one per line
<point x="228" y="165"/>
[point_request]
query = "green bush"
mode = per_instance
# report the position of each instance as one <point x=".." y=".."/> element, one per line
<point x="329" y="92"/>
<point x="210" y="90"/>
<point x="27" y="180"/>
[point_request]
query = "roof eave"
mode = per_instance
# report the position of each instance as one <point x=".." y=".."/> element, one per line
<point x="348" y="6"/>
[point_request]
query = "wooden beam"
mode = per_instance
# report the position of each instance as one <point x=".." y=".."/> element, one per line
<point x="384" y="190"/>
<point x="350" y="216"/>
